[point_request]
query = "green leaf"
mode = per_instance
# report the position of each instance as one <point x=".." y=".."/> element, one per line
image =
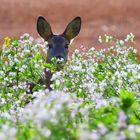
<point x="15" y="43"/>
<point x="101" y="76"/>
<point x="38" y="56"/>
<point x="47" y="65"/>
<point x="127" y="99"/>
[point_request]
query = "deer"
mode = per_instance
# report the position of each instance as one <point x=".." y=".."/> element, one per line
<point x="58" y="45"/>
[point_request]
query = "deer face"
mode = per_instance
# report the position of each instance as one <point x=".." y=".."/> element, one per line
<point x="58" y="45"/>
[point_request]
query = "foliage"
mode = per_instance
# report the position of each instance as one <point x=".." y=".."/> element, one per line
<point x="95" y="96"/>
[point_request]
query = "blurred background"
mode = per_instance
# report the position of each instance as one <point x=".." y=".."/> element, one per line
<point x="114" y="17"/>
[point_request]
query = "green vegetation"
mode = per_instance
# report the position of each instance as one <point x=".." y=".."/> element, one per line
<point x="95" y="96"/>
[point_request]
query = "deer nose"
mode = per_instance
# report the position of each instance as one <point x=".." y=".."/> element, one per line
<point x="60" y="59"/>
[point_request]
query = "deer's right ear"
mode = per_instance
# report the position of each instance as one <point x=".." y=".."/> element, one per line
<point x="43" y="28"/>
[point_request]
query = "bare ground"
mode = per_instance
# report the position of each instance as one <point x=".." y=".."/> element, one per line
<point x="115" y="17"/>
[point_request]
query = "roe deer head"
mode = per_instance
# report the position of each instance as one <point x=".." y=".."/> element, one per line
<point x="58" y="44"/>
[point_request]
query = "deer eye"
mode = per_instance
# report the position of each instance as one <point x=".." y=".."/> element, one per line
<point x="66" y="46"/>
<point x="50" y="46"/>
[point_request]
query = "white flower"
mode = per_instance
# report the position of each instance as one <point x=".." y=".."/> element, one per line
<point x="89" y="136"/>
<point x="122" y="119"/>
<point x="1" y="73"/>
<point x="102" y="129"/>
<point x="76" y="51"/>
<point x="6" y="79"/>
<point x="37" y="65"/>
<point x="120" y="136"/>
<point x="121" y="42"/>
<point x="57" y="82"/>
<point x="130" y="37"/>
<point x="100" y="39"/>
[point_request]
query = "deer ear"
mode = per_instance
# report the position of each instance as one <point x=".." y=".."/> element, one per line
<point x="73" y="28"/>
<point x="43" y="28"/>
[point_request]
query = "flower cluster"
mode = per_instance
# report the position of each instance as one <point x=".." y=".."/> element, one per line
<point x="20" y="63"/>
<point x="95" y="96"/>
<point x="100" y="73"/>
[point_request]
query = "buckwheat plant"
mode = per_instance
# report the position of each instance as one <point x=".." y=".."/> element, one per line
<point x="54" y="114"/>
<point x="95" y="96"/>
<point x="101" y="73"/>
<point x="20" y="63"/>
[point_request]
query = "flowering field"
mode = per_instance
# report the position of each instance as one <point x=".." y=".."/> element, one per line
<point x="95" y="96"/>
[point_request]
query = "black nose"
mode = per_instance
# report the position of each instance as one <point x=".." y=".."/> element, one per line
<point x="60" y="60"/>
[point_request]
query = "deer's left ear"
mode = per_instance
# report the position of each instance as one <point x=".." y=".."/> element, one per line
<point x="73" y="28"/>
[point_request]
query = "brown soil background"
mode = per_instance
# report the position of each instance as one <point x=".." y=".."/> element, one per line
<point x="114" y="17"/>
